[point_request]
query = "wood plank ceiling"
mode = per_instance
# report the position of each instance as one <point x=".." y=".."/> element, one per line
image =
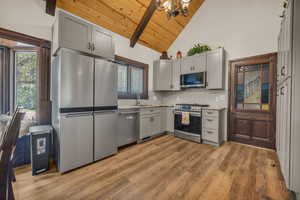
<point x="123" y="16"/>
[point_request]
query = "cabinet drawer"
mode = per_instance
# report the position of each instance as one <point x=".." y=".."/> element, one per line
<point x="150" y="111"/>
<point x="210" y="113"/>
<point x="210" y="135"/>
<point x="210" y="123"/>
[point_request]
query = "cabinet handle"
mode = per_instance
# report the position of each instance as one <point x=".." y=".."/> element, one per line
<point x="209" y="120"/>
<point x="93" y="47"/>
<point x="210" y="132"/>
<point x="209" y="112"/>
<point x="282" y="71"/>
<point x="281" y="91"/>
<point x="89" y="46"/>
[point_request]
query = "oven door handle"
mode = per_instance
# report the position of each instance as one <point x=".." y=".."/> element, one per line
<point x="191" y="114"/>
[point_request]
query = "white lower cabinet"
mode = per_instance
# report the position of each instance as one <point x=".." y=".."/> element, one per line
<point x="150" y="122"/>
<point x="212" y="127"/>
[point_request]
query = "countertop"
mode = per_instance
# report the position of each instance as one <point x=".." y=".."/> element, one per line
<point x="158" y="106"/>
<point x="141" y="107"/>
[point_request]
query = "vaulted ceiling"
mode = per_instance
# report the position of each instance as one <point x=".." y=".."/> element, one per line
<point x="123" y="16"/>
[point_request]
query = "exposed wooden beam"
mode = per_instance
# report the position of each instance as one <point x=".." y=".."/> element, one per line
<point x="143" y="23"/>
<point x="50" y="7"/>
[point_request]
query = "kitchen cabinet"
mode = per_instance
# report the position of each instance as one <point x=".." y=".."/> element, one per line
<point x="166" y="75"/>
<point x="76" y="34"/>
<point x="215" y="69"/>
<point x="149" y="122"/>
<point x="288" y="96"/>
<point x="212" y="127"/>
<point x="194" y="64"/>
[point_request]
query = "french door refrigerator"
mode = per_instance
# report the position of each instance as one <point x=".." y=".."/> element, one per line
<point x="84" y="109"/>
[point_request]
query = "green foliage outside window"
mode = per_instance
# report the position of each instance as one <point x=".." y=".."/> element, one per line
<point x="26" y="73"/>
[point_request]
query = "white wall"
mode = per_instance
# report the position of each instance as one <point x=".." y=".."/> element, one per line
<point x="29" y="17"/>
<point x="243" y="27"/>
<point x="26" y="16"/>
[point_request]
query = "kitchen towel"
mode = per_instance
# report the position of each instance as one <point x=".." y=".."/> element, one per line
<point x="185" y="120"/>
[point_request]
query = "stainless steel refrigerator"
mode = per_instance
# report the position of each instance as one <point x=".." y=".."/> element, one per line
<point x="84" y="109"/>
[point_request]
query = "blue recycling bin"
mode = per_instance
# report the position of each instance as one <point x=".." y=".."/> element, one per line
<point x="41" y="147"/>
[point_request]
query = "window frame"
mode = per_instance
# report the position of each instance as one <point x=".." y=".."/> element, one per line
<point x="133" y="64"/>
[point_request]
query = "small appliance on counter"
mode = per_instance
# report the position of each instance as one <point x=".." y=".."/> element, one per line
<point x="188" y="121"/>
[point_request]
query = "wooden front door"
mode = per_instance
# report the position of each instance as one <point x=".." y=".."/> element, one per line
<point x="252" y="100"/>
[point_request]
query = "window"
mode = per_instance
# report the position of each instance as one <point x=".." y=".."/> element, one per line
<point x="252" y="88"/>
<point x="132" y="79"/>
<point x="25" y="82"/>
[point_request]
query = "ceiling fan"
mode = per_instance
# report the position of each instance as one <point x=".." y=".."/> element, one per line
<point x="173" y="8"/>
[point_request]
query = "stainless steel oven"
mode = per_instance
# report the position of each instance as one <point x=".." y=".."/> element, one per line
<point x="194" y="80"/>
<point x="193" y="130"/>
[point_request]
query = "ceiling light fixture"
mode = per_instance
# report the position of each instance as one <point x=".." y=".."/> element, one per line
<point x="174" y="8"/>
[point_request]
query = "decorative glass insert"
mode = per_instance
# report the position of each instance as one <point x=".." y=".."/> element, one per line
<point x="252" y="87"/>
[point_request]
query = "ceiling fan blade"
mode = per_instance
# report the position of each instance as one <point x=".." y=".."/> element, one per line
<point x="143" y="23"/>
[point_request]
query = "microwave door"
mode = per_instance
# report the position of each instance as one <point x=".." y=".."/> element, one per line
<point x="193" y="80"/>
<point x="105" y="84"/>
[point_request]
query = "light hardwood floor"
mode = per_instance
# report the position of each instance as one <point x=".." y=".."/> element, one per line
<point x="164" y="168"/>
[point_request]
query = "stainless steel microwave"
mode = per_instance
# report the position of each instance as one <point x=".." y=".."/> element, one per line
<point x="194" y="80"/>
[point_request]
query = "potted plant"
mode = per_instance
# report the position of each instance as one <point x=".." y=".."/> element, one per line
<point x="198" y="49"/>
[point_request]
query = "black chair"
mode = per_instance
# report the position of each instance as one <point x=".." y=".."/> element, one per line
<point x="7" y="146"/>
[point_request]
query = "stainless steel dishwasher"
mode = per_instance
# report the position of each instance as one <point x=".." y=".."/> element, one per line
<point x="127" y="126"/>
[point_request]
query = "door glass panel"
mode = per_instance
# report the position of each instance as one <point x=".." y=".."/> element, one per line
<point x="252" y="87"/>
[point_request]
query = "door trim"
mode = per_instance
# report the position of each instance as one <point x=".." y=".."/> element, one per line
<point x="252" y="60"/>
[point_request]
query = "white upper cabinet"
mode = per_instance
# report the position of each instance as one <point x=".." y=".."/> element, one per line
<point x="176" y="71"/>
<point x="199" y="62"/>
<point x="76" y="34"/>
<point x="166" y="75"/>
<point x="162" y="75"/>
<point x="194" y="64"/>
<point x="102" y="43"/>
<point x="215" y="69"/>
<point x="72" y="33"/>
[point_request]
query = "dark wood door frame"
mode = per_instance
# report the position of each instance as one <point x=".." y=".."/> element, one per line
<point x="44" y="66"/>
<point x="272" y="58"/>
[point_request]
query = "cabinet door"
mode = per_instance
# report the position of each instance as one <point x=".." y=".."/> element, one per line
<point x="76" y="141"/>
<point x="176" y="71"/>
<point x="164" y="75"/>
<point x="163" y="116"/>
<point x="285" y="129"/>
<point x="215" y="69"/>
<point x="105" y="134"/>
<point x="155" y="125"/>
<point x="199" y="63"/>
<point x="187" y="65"/>
<point x="102" y="43"/>
<point x="145" y="127"/>
<point x="74" y="33"/>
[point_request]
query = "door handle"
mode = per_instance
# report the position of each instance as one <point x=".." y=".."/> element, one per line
<point x="282" y="71"/>
<point x="104" y="112"/>
<point x="78" y="115"/>
<point x="93" y="47"/>
<point x="281" y="91"/>
<point x="89" y="46"/>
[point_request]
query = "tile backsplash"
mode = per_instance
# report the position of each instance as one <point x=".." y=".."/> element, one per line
<point x="201" y="96"/>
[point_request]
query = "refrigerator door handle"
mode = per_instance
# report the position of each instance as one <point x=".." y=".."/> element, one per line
<point x="105" y="112"/>
<point x="78" y="114"/>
